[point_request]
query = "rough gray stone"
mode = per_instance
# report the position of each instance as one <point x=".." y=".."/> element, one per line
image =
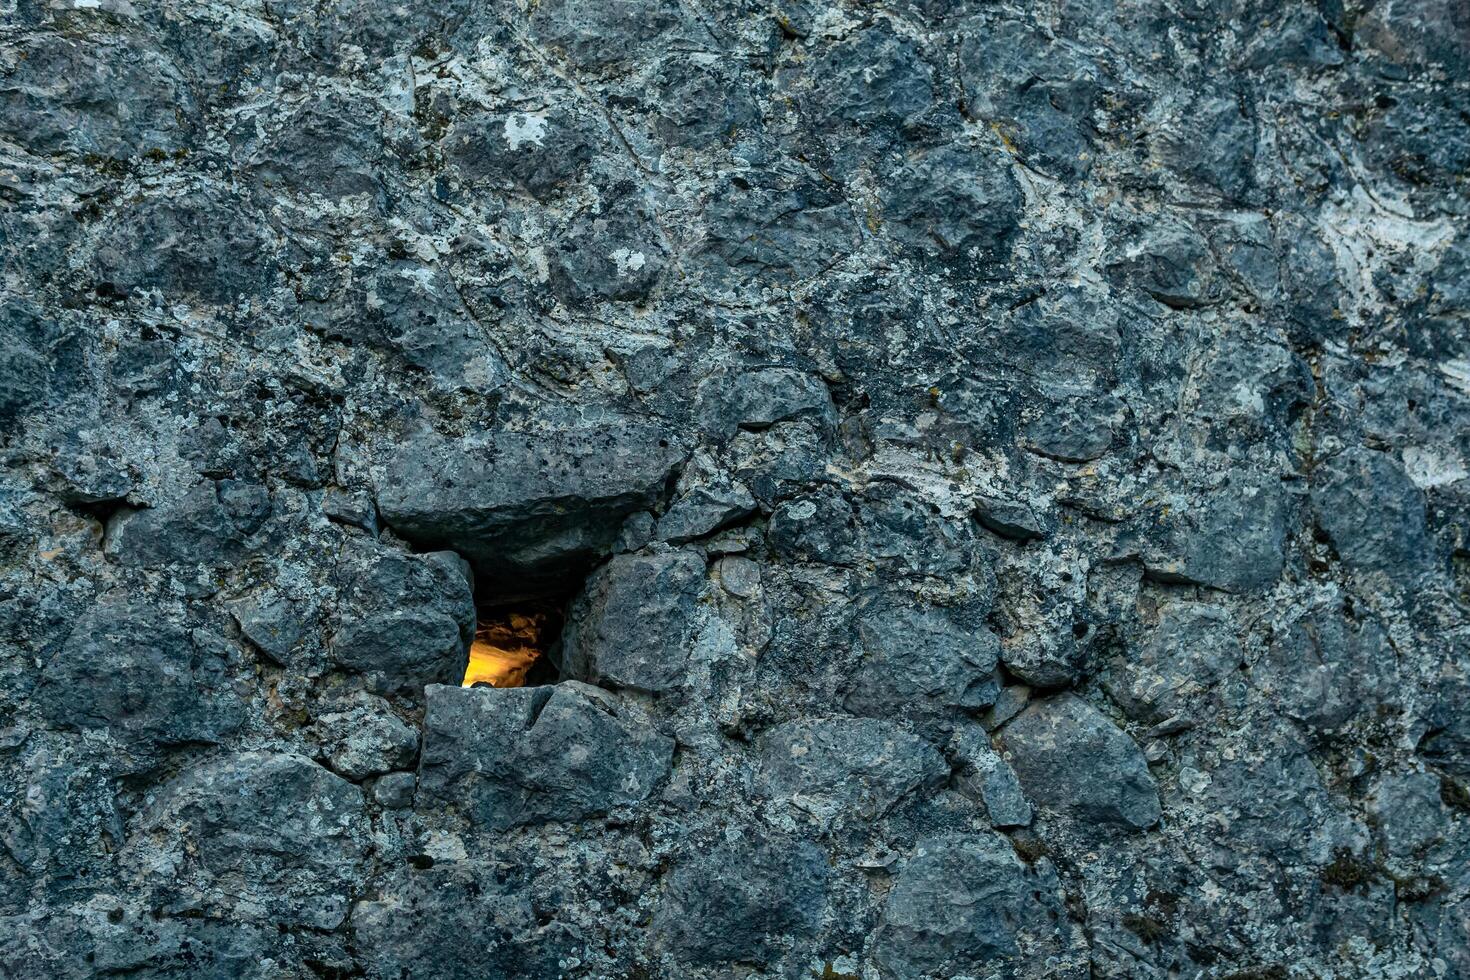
<point x="634" y="624"/>
<point x="274" y="623"/>
<point x="422" y="636"/>
<point x="142" y="676"/>
<point x="65" y="814"/>
<point x="1010" y="519"/>
<point x="1411" y="814"/>
<point x="365" y="738"/>
<point x="541" y="153"/>
<point x="1447" y="740"/>
<point x="1323" y="671"/>
<point x="1232" y="538"/>
<point x="1183" y="671"/>
<point x="219" y="522"/>
<point x="598" y="37"/>
<point x="1372" y="513"/>
<point x="203" y="244"/>
<point x="1072" y="425"/>
<point x="729" y="401"/>
<point x="857" y="768"/>
<point x="741" y="899"/>
<point x="109" y="936"/>
<point x="414" y="313"/>
<point x="963" y="904"/>
<point x="845" y="378"/>
<point x="706" y="500"/>
<point x="984" y="776"/>
<point x="354" y="509"/>
<point x="703" y="510"/>
<point x="884" y="527"/>
<point x="614" y="254"/>
<point x="1278" y="810"/>
<point x="958" y="204"/>
<point x="29" y="380"/>
<point x="516" y="503"/>
<point x="122" y="96"/>
<point x="1072" y="759"/>
<point x="769" y="226"/>
<point x="916" y="660"/>
<point x="1009" y="703"/>
<point x="256" y="837"/>
<point x="452" y="922"/>
<point x="394" y="791"/>
<point x="512" y="756"/>
<point x="1036" y="92"/>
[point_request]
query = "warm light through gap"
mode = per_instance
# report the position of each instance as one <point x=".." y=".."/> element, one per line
<point x="505" y="650"/>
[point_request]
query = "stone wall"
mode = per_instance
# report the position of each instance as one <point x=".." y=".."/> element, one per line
<point x="1009" y="462"/>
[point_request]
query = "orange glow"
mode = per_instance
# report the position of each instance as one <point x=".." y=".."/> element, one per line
<point x="504" y="651"/>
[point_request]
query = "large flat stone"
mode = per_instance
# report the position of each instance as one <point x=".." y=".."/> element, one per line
<point x="519" y="503"/>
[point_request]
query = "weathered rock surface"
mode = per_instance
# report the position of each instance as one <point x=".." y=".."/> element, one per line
<point x="529" y="755"/>
<point x="995" y="478"/>
<point x="706" y="500"/>
<point x="636" y="621"/>
<point x="1184" y="670"/>
<point x="515" y="503"/>
<point x="143" y="675"/>
<point x="214" y="523"/>
<point x="1232" y="537"/>
<point x="1372" y="513"/>
<point x="422" y="637"/>
<point x="365" y="738"/>
<point x="1070" y="757"/>
<point x="454" y="921"/>
<point x="742" y="900"/>
<point x="966" y="903"/>
<point x="983" y="775"/>
<point x="854" y="768"/>
<point x="920" y="661"/>
<point x="269" y="838"/>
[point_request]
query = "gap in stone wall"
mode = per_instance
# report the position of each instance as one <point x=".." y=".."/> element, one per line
<point x="518" y="636"/>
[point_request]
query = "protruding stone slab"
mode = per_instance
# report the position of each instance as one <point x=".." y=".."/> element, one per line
<point x="518" y="503"/>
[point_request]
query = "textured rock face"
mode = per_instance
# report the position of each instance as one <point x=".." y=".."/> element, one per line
<point x="636" y="620"/>
<point x="853" y="768"/>
<point x="531" y="755"/>
<point x="966" y="899"/>
<point x="1002" y="472"/>
<point x="919" y="661"/>
<point x="1072" y="758"/>
<point x="459" y="922"/>
<point x="745" y="900"/>
<point x="276" y="837"/>
<point x="422" y="636"/>
<point x="136" y="672"/>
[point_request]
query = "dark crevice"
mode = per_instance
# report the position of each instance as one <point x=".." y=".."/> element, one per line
<point x="538" y="705"/>
<point x="104" y="512"/>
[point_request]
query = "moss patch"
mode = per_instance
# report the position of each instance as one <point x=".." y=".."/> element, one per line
<point x="1348" y="871"/>
<point x="1147" y="928"/>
